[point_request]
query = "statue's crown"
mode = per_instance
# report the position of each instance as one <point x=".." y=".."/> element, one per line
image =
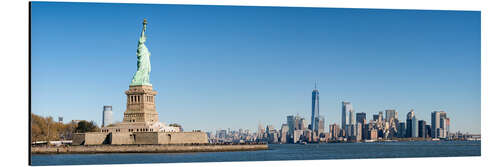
<point x="145" y="21"/>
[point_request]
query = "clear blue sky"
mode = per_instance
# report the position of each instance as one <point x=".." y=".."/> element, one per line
<point x="232" y="67"/>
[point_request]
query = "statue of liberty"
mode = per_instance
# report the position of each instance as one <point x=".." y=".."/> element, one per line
<point x="141" y="77"/>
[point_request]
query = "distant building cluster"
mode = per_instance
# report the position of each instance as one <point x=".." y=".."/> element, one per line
<point x="232" y="136"/>
<point x="354" y="127"/>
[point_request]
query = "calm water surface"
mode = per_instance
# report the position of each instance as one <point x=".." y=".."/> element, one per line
<point x="279" y="152"/>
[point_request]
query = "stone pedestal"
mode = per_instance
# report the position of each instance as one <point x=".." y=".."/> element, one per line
<point x="141" y="104"/>
<point x="141" y="115"/>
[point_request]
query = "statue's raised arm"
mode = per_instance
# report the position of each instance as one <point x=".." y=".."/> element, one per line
<point x="142" y="39"/>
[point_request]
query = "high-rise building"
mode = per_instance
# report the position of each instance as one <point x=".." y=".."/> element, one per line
<point x="297" y="135"/>
<point x="401" y="130"/>
<point x="365" y="131"/>
<point x="409" y="118"/>
<point x="346" y="110"/>
<point x="439" y="120"/>
<point x="411" y="124"/>
<point x="334" y="131"/>
<point x="435" y="123"/>
<point x="428" y="131"/>
<point x="440" y="132"/>
<point x="373" y="134"/>
<point x="414" y="126"/>
<point x="391" y="113"/>
<point x="359" y="131"/>
<point x="352" y="117"/>
<point x="302" y="122"/>
<point x="107" y="116"/>
<point x="295" y="123"/>
<point x="361" y="118"/>
<point x="292" y="124"/>
<point x="447" y="126"/>
<point x="315" y="109"/>
<point x="391" y="119"/>
<point x="308" y="135"/>
<point x="273" y="137"/>
<point x="60" y="120"/>
<point x="377" y="117"/>
<point x="350" y="129"/>
<point x="260" y="129"/>
<point x="284" y="133"/>
<point x="443" y="120"/>
<point x="221" y="134"/>
<point x="269" y="128"/>
<point x="321" y="125"/>
<point x="421" y="129"/>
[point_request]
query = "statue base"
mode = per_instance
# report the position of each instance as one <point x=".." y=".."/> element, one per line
<point x="141" y="105"/>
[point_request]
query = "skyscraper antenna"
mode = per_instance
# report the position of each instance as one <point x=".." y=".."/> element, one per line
<point x="315" y="84"/>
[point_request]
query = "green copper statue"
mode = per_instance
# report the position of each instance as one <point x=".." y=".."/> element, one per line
<point x="141" y="77"/>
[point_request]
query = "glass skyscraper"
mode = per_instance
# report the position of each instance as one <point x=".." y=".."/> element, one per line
<point x="346" y="114"/>
<point x="439" y="121"/>
<point x="391" y="113"/>
<point x="361" y="118"/>
<point x="292" y="124"/>
<point x="411" y="124"/>
<point x="107" y="116"/>
<point x="435" y="123"/>
<point x="315" y="109"/>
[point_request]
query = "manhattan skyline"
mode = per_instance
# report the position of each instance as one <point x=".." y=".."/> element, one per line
<point x="218" y="67"/>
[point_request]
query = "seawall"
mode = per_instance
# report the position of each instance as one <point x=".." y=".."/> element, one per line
<point x="92" y="149"/>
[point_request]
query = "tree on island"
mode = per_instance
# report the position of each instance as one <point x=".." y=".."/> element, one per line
<point x="45" y="128"/>
<point x="85" y="126"/>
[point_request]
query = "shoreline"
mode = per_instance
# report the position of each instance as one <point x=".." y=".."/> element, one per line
<point x="174" y="148"/>
<point x="153" y="148"/>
